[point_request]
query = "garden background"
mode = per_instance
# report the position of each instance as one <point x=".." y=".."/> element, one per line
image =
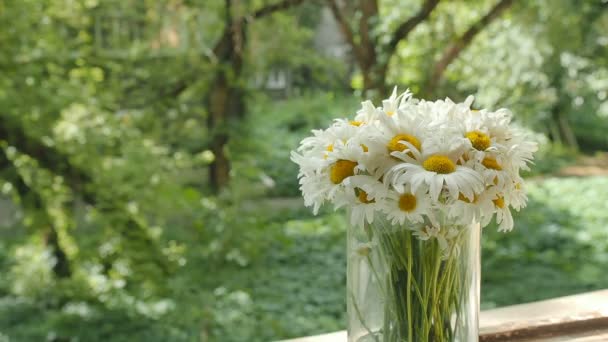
<point x="146" y="191"/>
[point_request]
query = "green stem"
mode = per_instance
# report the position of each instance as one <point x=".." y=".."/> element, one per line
<point x="437" y="322"/>
<point x="361" y="319"/>
<point x="420" y="288"/>
<point x="375" y="273"/>
<point x="409" y="287"/>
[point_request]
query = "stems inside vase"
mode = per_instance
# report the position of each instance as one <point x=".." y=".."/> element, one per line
<point x="422" y="288"/>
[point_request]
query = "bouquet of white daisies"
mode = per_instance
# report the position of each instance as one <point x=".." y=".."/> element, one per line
<point x="418" y="161"/>
<point x="423" y="169"/>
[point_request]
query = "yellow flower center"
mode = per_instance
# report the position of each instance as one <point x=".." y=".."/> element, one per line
<point x="390" y="113"/>
<point x="480" y="140"/>
<point x="407" y="202"/>
<point x="499" y="202"/>
<point x="362" y="195"/>
<point x="364" y="147"/>
<point x="395" y="145"/>
<point x="440" y="164"/>
<point x="491" y="163"/>
<point x="356" y="123"/>
<point x="341" y="170"/>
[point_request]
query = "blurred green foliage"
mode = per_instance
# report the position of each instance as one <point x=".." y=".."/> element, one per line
<point x="296" y="286"/>
<point x="559" y="245"/>
<point x="105" y="143"/>
<point x="273" y="129"/>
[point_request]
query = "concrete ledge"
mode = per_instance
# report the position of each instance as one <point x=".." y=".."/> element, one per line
<point x="577" y="318"/>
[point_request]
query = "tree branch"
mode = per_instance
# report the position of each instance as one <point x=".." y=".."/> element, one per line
<point x="369" y="10"/>
<point x="222" y="47"/>
<point x="76" y="178"/>
<point x="279" y="6"/>
<point x="454" y="49"/>
<point x="406" y="27"/>
<point x="31" y="199"/>
<point x="347" y="31"/>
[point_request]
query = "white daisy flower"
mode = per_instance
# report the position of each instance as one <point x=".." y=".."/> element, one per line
<point x="493" y="202"/>
<point x="435" y="170"/>
<point x="443" y="236"/>
<point x="520" y="151"/>
<point x="503" y="215"/>
<point x="322" y="179"/>
<point x="485" y="131"/>
<point x="364" y="198"/>
<point x="323" y="141"/>
<point x="427" y="232"/>
<point x="397" y="133"/>
<point x="407" y="205"/>
<point x="372" y="188"/>
<point x="351" y="150"/>
<point x="395" y="102"/>
<point x="516" y="193"/>
<point x="493" y="168"/>
<point x="480" y="209"/>
<point x="320" y="141"/>
<point x="368" y="113"/>
<point x="314" y="195"/>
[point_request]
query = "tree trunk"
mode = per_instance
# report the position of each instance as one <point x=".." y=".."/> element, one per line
<point x="226" y="106"/>
<point x="374" y="83"/>
<point x="61" y="268"/>
<point x="561" y="131"/>
<point x="567" y="132"/>
<point x="219" y="170"/>
<point x="225" y="102"/>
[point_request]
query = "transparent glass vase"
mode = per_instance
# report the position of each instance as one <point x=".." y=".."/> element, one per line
<point x="412" y="283"/>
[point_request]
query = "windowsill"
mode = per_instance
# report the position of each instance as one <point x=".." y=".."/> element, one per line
<point x="578" y="318"/>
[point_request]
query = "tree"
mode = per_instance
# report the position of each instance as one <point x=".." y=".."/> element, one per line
<point x="373" y="51"/>
<point x="560" y="65"/>
<point x="544" y="62"/>
<point x="225" y="101"/>
<point x="457" y="46"/>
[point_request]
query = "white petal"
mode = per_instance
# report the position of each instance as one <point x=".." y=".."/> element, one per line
<point x="435" y="187"/>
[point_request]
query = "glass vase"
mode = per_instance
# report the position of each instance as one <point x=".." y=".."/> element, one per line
<point x="413" y="282"/>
